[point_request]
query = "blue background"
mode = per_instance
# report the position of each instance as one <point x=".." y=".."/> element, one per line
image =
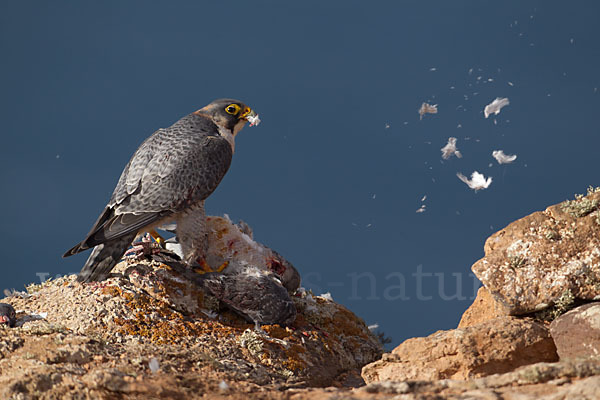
<point x="321" y="180"/>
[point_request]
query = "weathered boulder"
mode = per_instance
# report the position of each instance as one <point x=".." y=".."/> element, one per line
<point x="151" y="331"/>
<point x="577" y="333"/>
<point x="493" y="346"/>
<point x="570" y="379"/>
<point x="484" y="308"/>
<point x="546" y="257"/>
<point x="325" y="342"/>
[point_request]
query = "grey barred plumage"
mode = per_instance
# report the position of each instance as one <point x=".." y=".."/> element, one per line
<point x="168" y="178"/>
<point x="104" y="257"/>
<point x="190" y="158"/>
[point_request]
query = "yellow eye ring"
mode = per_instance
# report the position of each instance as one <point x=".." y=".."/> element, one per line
<point x="232" y="109"/>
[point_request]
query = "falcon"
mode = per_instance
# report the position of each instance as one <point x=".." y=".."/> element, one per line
<point x="167" y="179"/>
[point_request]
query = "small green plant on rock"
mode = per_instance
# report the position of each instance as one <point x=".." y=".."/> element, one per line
<point x="592" y="190"/>
<point x="551" y="234"/>
<point x="517" y="261"/>
<point x="564" y="303"/>
<point x="582" y="205"/>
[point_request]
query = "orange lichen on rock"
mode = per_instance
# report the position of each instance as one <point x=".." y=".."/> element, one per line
<point x="346" y="323"/>
<point x="295" y="361"/>
<point x="277" y="331"/>
<point x="153" y="319"/>
<point x="151" y="308"/>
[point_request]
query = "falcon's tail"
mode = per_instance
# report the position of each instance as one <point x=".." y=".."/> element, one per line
<point x="103" y="259"/>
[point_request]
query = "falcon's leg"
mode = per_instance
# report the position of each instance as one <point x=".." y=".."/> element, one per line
<point x="159" y="239"/>
<point x="146" y="246"/>
<point x="192" y="234"/>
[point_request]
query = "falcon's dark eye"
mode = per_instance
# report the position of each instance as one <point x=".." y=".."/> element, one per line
<point x="232" y="109"/>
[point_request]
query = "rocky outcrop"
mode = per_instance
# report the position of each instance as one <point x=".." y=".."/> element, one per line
<point x="495" y="346"/>
<point x="122" y="323"/>
<point x="484" y="308"/>
<point x="577" y="333"/>
<point x="154" y="331"/>
<point x="546" y="258"/>
<point x="563" y="380"/>
<point x="534" y="271"/>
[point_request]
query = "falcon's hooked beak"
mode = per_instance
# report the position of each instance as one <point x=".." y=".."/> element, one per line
<point x="251" y="116"/>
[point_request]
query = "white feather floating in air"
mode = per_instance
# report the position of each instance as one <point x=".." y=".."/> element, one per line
<point x="477" y="181"/>
<point x="503" y="158"/>
<point x="450" y="149"/>
<point x="495" y="106"/>
<point x="427" y="109"/>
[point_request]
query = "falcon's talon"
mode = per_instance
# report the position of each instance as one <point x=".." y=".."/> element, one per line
<point x="143" y="248"/>
<point x="205" y="268"/>
<point x="221" y="267"/>
<point x="159" y="239"/>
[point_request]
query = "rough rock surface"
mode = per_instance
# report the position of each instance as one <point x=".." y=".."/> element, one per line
<point x="534" y="271"/>
<point x="147" y="332"/>
<point x="107" y="333"/>
<point x="577" y="333"/>
<point x="152" y="330"/>
<point x="484" y="308"/>
<point x="546" y="257"/>
<point x="571" y="379"/>
<point x="494" y="346"/>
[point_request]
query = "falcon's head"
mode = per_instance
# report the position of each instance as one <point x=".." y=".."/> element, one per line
<point x="230" y="114"/>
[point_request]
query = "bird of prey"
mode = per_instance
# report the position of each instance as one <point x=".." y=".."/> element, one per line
<point x="8" y="315"/>
<point x="167" y="179"/>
